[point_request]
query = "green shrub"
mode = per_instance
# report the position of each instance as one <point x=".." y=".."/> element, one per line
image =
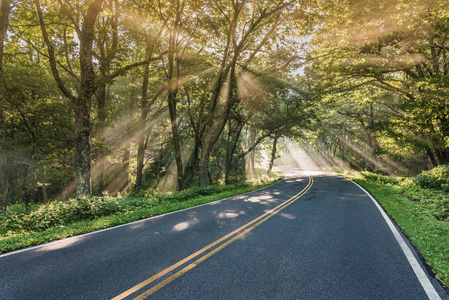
<point x="421" y="190"/>
<point x="379" y="178"/>
<point x="235" y="176"/>
<point x="435" y="201"/>
<point x="19" y="218"/>
<point x="437" y="178"/>
<point x="23" y="226"/>
<point x="37" y="217"/>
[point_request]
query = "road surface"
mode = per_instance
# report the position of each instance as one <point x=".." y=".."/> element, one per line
<point x="310" y="236"/>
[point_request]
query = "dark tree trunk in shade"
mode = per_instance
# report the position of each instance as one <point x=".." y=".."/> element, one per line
<point x="5" y="9"/>
<point x="142" y="137"/>
<point x="101" y="156"/>
<point x="82" y="149"/>
<point x="171" y="98"/>
<point x="250" y="157"/>
<point x="273" y="155"/>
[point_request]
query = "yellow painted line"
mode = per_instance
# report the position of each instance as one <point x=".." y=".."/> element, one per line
<point x="208" y="255"/>
<point x="266" y="215"/>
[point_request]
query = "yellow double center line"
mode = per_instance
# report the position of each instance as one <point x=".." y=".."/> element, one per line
<point x="227" y="240"/>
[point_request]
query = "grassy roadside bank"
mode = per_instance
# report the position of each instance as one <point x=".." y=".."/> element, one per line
<point x="24" y="226"/>
<point x="423" y="215"/>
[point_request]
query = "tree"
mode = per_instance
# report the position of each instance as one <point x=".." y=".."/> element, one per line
<point x="248" y="28"/>
<point x="398" y="62"/>
<point x="87" y="88"/>
<point x="84" y="22"/>
<point x="5" y="8"/>
<point x="180" y="84"/>
<point x="106" y="50"/>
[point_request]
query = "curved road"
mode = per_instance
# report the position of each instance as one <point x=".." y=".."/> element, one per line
<point x="310" y="236"/>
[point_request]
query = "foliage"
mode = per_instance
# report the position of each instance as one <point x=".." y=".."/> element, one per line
<point x="144" y="66"/>
<point x="379" y="178"/>
<point x="437" y="178"/>
<point x="20" y="218"/>
<point x="23" y="226"/>
<point x="383" y="86"/>
<point x="419" y="189"/>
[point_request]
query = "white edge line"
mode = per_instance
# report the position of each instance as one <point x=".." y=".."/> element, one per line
<point x="80" y="236"/>
<point x="419" y="272"/>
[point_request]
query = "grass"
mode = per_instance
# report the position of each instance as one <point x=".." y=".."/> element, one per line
<point x="23" y="226"/>
<point x="422" y="214"/>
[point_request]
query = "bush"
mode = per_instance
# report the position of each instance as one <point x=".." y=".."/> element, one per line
<point x="379" y="178"/>
<point x="38" y="217"/>
<point x="437" y="178"/>
<point x="20" y="218"/>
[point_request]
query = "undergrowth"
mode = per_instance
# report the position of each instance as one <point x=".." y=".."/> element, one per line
<point x="22" y="226"/>
<point x="434" y="200"/>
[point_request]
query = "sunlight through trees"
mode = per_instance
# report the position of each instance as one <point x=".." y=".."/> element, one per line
<point x="104" y="96"/>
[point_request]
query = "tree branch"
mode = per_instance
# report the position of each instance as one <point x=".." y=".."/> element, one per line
<point x="51" y="55"/>
<point x="126" y="68"/>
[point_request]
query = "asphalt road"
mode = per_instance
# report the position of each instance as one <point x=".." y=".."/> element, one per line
<point x="306" y="237"/>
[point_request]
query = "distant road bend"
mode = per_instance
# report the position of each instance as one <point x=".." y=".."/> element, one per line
<point x="309" y="236"/>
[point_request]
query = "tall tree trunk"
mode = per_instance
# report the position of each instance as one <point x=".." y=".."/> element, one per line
<point x="101" y="157"/>
<point x="233" y="142"/>
<point x="171" y="98"/>
<point x="143" y="118"/>
<point x="82" y="148"/>
<point x="124" y="174"/>
<point x="444" y="124"/>
<point x="273" y="155"/>
<point x="204" y="164"/>
<point x="107" y="50"/>
<point x="198" y="129"/>
<point x="228" y="161"/>
<point x="217" y="116"/>
<point x="5" y="9"/>
<point x="175" y="133"/>
<point x="82" y="105"/>
<point x="87" y="88"/>
<point x="216" y="121"/>
<point x="250" y="156"/>
<point x="193" y="163"/>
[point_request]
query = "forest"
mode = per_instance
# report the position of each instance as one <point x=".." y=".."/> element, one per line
<point x="111" y="96"/>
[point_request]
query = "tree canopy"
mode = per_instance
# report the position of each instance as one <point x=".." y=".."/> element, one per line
<point x="104" y="96"/>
